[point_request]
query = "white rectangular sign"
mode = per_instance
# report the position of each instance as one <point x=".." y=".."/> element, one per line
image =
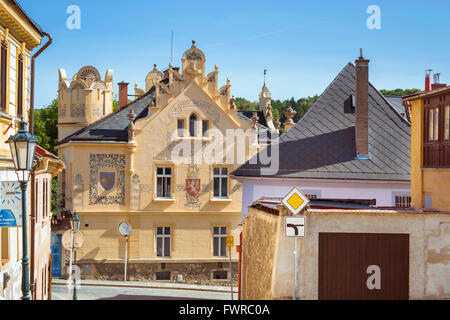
<point x="295" y="227"/>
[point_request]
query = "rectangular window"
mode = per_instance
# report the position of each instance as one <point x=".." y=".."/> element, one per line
<point x="45" y="198"/>
<point x="403" y="201"/>
<point x="163" y="182"/>
<point x="36" y="199"/>
<point x="221" y="183"/>
<point x="220" y="241"/>
<point x="433" y="124"/>
<point x="4" y="246"/>
<point x="163" y="235"/>
<point x="20" y="81"/>
<point x="447" y="123"/>
<point x="3" y="73"/>
<point x="205" y="128"/>
<point x="180" y="127"/>
<point x="311" y="196"/>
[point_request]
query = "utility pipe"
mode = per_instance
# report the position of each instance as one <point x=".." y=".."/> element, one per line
<point x="33" y="196"/>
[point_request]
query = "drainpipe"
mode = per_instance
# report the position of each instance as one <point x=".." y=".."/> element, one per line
<point x="240" y="265"/>
<point x="33" y="196"/>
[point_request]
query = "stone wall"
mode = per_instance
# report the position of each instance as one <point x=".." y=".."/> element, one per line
<point x="267" y="271"/>
<point x="193" y="273"/>
<point x="259" y="239"/>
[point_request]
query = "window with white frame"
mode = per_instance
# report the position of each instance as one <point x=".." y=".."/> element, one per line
<point x="164" y="182"/>
<point x="180" y="127"/>
<point x="163" y="237"/>
<point x="220" y="241"/>
<point x="205" y="128"/>
<point x="221" y="183"/>
<point x="193" y="125"/>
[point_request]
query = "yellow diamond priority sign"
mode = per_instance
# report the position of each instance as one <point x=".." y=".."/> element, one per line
<point x="295" y="201"/>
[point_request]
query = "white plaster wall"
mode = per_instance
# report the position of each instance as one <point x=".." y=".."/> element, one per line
<point x="383" y="192"/>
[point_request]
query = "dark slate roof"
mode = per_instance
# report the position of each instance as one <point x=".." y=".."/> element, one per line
<point x="249" y="115"/>
<point x="396" y="103"/>
<point x="114" y="126"/>
<point x="322" y="144"/>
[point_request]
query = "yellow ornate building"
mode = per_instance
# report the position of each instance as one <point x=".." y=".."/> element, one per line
<point x="162" y="163"/>
<point x="430" y="148"/>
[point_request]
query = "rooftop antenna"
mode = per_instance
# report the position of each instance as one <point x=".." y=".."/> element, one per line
<point x="265" y="73"/>
<point x="171" y="47"/>
<point x="436" y="77"/>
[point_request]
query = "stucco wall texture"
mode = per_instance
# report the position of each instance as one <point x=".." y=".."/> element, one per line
<point x="269" y="263"/>
<point x="260" y="232"/>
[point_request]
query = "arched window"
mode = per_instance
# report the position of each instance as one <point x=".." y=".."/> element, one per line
<point x="193" y="125"/>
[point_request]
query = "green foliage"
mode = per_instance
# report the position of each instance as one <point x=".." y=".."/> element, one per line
<point x="399" y="92"/>
<point x="54" y="198"/>
<point x="245" y="105"/>
<point x="46" y="130"/>
<point x="278" y="107"/>
<point x="45" y="126"/>
<point x="115" y="103"/>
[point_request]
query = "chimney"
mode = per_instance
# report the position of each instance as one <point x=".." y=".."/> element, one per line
<point x="428" y="81"/>
<point x="436" y="83"/>
<point x="123" y="94"/>
<point x="166" y="72"/>
<point x="362" y="107"/>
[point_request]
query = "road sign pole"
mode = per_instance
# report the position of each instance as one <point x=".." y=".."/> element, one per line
<point x="70" y="261"/>
<point x="126" y="259"/>
<point x="231" y="275"/>
<point x="295" y="269"/>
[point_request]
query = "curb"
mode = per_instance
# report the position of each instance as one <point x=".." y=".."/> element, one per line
<point x="135" y="286"/>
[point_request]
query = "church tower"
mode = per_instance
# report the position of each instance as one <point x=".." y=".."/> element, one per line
<point x="84" y="100"/>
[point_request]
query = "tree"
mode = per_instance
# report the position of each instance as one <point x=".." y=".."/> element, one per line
<point x="278" y="107"/>
<point x="45" y="126"/>
<point x="46" y="130"/>
<point x="399" y="92"/>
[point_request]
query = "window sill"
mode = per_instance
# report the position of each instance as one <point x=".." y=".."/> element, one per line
<point x="220" y="200"/>
<point x="193" y="138"/>
<point x="5" y="118"/>
<point x="436" y="169"/>
<point x="164" y="200"/>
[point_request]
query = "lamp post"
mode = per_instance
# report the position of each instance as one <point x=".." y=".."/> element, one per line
<point x="23" y="147"/>
<point x="75" y="222"/>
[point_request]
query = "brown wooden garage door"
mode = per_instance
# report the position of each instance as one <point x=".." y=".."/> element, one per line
<point x="363" y="266"/>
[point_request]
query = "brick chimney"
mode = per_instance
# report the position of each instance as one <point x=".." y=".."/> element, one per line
<point x="362" y="107"/>
<point x="123" y="94"/>
<point x="428" y="81"/>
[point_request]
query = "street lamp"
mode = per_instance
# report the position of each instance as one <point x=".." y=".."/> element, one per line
<point x="23" y="147"/>
<point x="75" y="223"/>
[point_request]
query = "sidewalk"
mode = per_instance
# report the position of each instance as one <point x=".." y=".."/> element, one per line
<point x="149" y="285"/>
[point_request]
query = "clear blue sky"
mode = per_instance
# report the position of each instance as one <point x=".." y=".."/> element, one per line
<point x="303" y="44"/>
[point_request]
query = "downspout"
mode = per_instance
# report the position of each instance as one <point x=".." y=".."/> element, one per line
<point x="33" y="196"/>
<point x="239" y="266"/>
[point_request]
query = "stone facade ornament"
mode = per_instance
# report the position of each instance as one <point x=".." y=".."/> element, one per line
<point x="289" y="114"/>
<point x="233" y="103"/>
<point x="255" y="120"/>
<point x="131" y="127"/>
<point x="269" y="114"/>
